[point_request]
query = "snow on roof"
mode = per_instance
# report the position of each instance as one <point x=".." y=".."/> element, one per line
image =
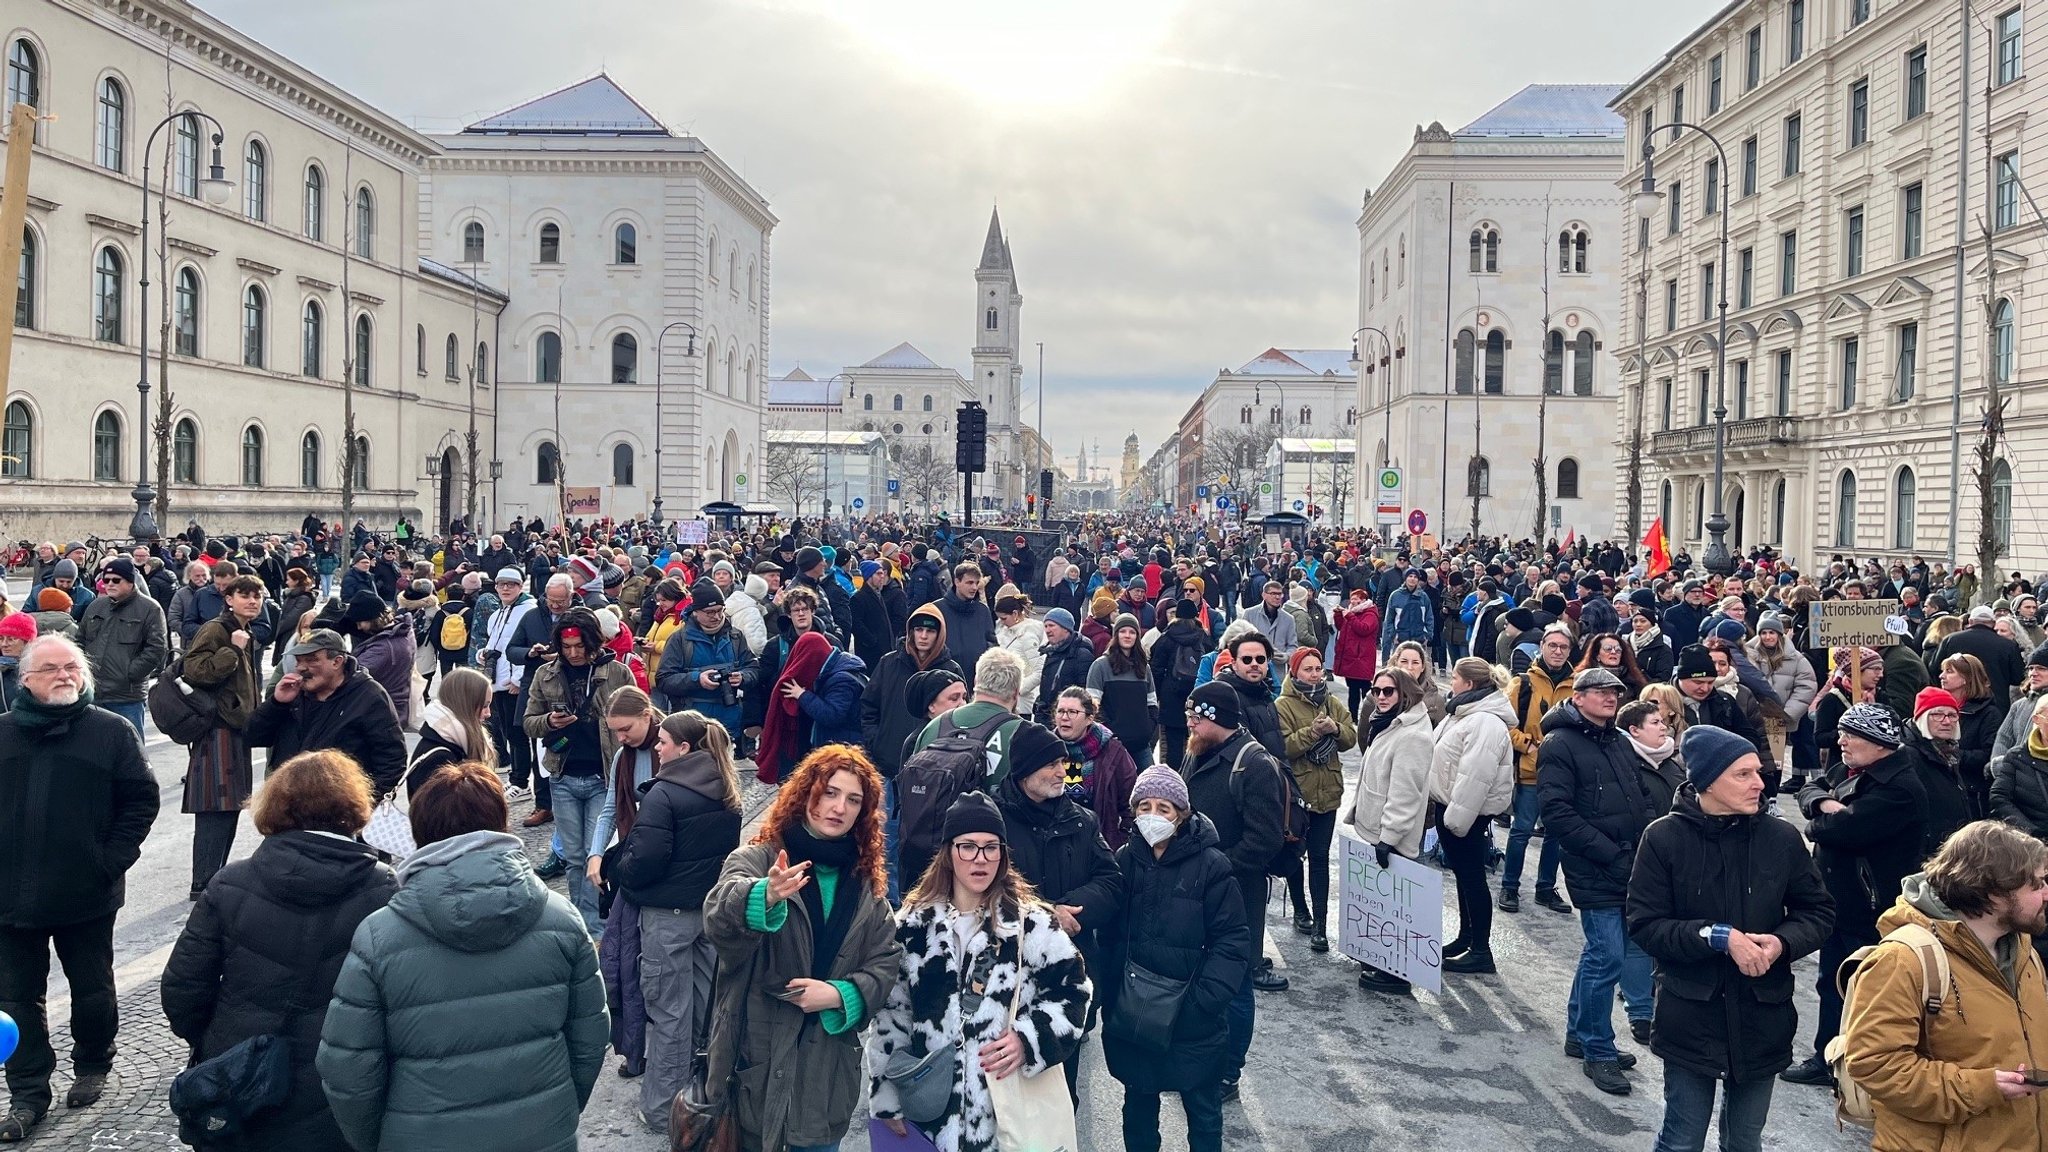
<point x="903" y="355"/>
<point x="594" y="107"/>
<point x="835" y="439"/>
<point x="1552" y="110"/>
<point x="1299" y="362"/>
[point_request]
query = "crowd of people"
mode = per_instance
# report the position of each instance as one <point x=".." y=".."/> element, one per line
<point x="1007" y="801"/>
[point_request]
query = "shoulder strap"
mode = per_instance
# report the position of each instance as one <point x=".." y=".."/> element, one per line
<point x="1934" y="974"/>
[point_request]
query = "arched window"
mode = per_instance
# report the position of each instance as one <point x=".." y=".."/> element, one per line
<point x="1553" y="363"/>
<point x="1567" y="479"/>
<point x="362" y="464"/>
<point x="747" y="382"/>
<point x="453" y="355"/>
<point x="363" y="345"/>
<point x="1492" y="251"/>
<point x="2001" y="496"/>
<point x="750" y="281"/>
<point x="255" y="182"/>
<point x="867" y="402"/>
<point x="473" y="243"/>
<point x="25" y="282"/>
<point x="110" y="141"/>
<point x="1305" y="416"/>
<point x="309" y="341"/>
<point x="711" y="262"/>
<point x="483" y="363"/>
<point x="1699" y="510"/>
<point x="17" y="443"/>
<point x="366" y="223"/>
<point x="732" y="358"/>
<point x="1496" y="362"/>
<point x="1845" y="509"/>
<point x="185" y="452"/>
<point x="1582" y="363"/>
<point x="1477" y="244"/>
<point x="252" y="457"/>
<point x="547" y="359"/>
<point x="1478" y="477"/>
<point x="927" y="401"/>
<point x="547" y="463"/>
<point x="316" y="204"/>
<point x="622" y="465"/>
<point x="419" y="348"/>
<point x="185" y="170"/>
<point x="1571" y="251"/>
<point x="106" y="447"/>
<point x="732" y="268"/>
<point x="1904" y="489"/>
<point x="550" y="244"/>
<point x="309" y="460"/>
<point x="1664" y="504"/>
<point x="185" y="313"/>
<point x="1467" y="350"/>
<point x="991" y="319"/>
<point x="2002" y="358"/>
<point x="625" y="359"/>
<point x="625" y="245"/>
<point x="897" y="403"/>
<point x="252" y="326"/>
<point x="1401" y="268"/>
<point x="25" y="77"/>
<point x="109" y="288"/>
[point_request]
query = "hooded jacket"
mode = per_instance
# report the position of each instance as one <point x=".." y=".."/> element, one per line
<point x="387" y="655"/>
<point x="1066" y="666"/>
<point x="1358" y="641"/>
<point x="1322" y="785"/>
<point x="743" y="611"/>
<point x="970" y="631"/>
<point x="885" y="723"/>
<point x="1178" y="635"/>
<point x="1248" y="809"/>
<point x="832" y="706"/>
<point x="469" y="1012"/>
<point x="681" y="835"/>
<point x="1057" y="845"/>
<point x="1531" y="697"/>
<point x="1595" y="801"/>
<point x="1472" y="769"/>
<point x="1025" y="640"/>
<point x="1791" y="677"/>
<point x="357" y="719"/>
<point x="442" y="742"/>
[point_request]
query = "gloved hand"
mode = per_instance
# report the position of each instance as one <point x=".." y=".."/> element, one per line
<point x="1384" y="855"/>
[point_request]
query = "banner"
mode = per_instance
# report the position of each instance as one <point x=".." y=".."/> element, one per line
<point x="693" y="532"/>
<point x="583" y="501"/>
<point x="1393" y="918"/>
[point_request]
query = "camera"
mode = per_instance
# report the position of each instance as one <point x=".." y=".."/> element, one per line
<point x="489" y="656"/>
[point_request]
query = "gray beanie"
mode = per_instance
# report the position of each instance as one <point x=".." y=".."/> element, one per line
<point x="1162" y="783"/>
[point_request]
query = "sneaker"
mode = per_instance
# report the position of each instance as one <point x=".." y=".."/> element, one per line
<point x="86" y="1090"/>
<point x="1229" y="1091"/>
<point x="1572" y="1050"/>
<point x="551" y="867"/>
<point x="518" y="792"/>
<point x="1268" y="981"/>
<point x="1640" y="1029"/>
<point x="18" y="1124"/>
<point x="538" y="817"/>
<point x="1549" y="898"/>
<point x="1813" y="1070"/>
<point x="1606" y="1076"/>
<point x="1510" y="901"/>
<point x="1319" y="942"/>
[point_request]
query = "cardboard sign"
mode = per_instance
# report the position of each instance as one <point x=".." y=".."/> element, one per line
<point x="1843" y="623"/>
<point x="583" y="501"/>
<point x="1393" y="918"/>
<point x="693" y="532"/>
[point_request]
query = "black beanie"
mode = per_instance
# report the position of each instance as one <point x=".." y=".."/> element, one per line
<point x="974" y="812"/>
<point x="1032" y="747"/>
<point x="1186" y="610"/>
<point x="706" y="595"/>
<point x="924" y="687"/>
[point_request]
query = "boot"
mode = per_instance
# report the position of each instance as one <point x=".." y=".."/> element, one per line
<point x="1476" y="960"/>
<point x="1510" y="900"/>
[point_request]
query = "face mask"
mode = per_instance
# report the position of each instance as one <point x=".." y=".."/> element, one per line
<point x="1155" y="829"/>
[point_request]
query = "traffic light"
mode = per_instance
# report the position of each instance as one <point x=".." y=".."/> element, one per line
<point x="970" y="447"/>
<point x="1045" y="485"/>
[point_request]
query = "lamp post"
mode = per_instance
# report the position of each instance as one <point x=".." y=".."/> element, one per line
<point x="689" y="350"/>
<point x="214" y="188"/>
<point x="1647" y="200"/>
<point x="825" y="454"/>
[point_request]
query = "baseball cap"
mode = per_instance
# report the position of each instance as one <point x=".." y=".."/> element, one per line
<point x="319" y="640"/>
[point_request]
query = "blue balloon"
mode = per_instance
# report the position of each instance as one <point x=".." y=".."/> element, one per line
<point x="10" y="1036"/>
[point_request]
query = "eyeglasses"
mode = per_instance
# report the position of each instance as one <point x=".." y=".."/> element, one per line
<point x="47" y="669"/>
<point x="967" y="851"/>
<point x="1068" y="712"/>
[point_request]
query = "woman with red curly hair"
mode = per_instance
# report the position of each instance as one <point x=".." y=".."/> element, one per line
<point x="807" y="953"/>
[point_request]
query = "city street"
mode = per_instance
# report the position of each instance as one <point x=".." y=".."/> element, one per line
<point x="1333" y="1069"/>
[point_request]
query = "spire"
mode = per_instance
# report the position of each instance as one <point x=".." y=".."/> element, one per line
<point x="995" y="251"/>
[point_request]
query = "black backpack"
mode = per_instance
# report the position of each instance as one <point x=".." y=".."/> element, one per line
<point x="955" y="762"/>
<point x="1187" y="661"/>
<point x="1293" y="825"/>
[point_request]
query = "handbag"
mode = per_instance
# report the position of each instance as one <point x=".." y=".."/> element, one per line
<point x="390" y="828"/>
<point x="1147" y="1007"/>
<point x="1033" y="1113"/>
<point x="923" y="1086"/>
<point x="216" y="1099"/>
<point x="698" y="1119"/>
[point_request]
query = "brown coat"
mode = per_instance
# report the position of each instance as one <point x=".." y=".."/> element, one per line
<point x="212" y="661"/>
<point x="1947" y="1099"/>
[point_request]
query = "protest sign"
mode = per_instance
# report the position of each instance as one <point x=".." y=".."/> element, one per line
<point x="1850" y="623"/>
<point x="1393" y="918"/>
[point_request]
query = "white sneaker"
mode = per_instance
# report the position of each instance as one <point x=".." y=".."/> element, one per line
<point x="515" y="792"/>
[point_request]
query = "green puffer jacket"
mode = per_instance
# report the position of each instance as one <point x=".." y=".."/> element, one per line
<point x="1322" y="785"/>
<point x="469" y="1013"/>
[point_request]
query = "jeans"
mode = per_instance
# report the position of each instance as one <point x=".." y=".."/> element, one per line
<point x="87" y="952"/>
<point x="1689" y="1105"/>
<point x="131" y="712"/>
<point x="213" y="840"/>
<point x="578" y="800"/>
<point x="1526" y="814"/>
<point x="1609" y="958"/>
<point x="1205" y="1119"/>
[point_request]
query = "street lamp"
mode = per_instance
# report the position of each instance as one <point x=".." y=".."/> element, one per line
<point x="825" y="455"/>
<point x="1647" y="199"/>
<point x="214" y="188"/>
<point x="689" y="350"/>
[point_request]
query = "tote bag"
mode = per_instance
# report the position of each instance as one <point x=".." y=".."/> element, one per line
<point x="1033" y="1113"/>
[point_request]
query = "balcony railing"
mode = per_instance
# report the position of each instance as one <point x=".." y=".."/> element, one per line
<point x="1759" y="432"/>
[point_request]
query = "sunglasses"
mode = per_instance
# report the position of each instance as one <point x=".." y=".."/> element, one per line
<point x="1251" y="659"/>
<point x="1386" y="691"/>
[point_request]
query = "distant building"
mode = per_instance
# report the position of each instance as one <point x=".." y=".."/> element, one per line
<point x="804" y="470"/>
<point x="1224" y="434"/>
<point x="1318" y="474"/>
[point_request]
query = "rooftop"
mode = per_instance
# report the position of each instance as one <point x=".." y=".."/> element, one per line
<point x="800" y="390"/>
<point x="593" y="107"/>
<point x="1554" y="110"/>
<point x="904" y="355"/>
<point x="467" y="282"/>
<point x="1300" y="362"/>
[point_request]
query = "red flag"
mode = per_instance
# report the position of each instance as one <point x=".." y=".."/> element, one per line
<point x="1659" y="546"/>
<point x="1570" y="535"/>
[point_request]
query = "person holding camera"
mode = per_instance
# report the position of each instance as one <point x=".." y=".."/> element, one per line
<point x="707" y="666"/>
<point x="531" y="647"/>
<point x="565" y="711"/>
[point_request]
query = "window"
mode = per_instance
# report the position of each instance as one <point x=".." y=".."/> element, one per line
<point x="1851" y="350"/>
<point x="309" y="341"/>
<point x="1708" y="299"/>
<point x="1485" y="246"/>
<point x="1649" y="126"/>
<point x="547" y="463"/>
<point x="25" y="282"/>
<point x="419" y="349"/>
<point x="711" y="260"/>
<point x="106" y="447"/>
<point x="1664" y="503"/>
<point x="473" y="242"/>
<point x="625" y="359"/>
<point x="108" y="289"/>
<point x="1496" y="362"/>
<point x="1788" y="263"/>
<point x="1714" y="85"/>
<point x="252" y="457"/>
<point x="1916" y="83"/>
<point x="453" y="368"/>
<point x="17" y="443"/>
<point x="362" y="463"/>
<point x="625" y="245"/>
<point x="1670" y="305"/>
<point x="2008" y="34"/>
<point x="1670" y="405"/>
<point x="550" y="244"/>
<point x="1778" y="509"/>
<point x="24" y="76"/>
<point x="1571" y="251"/>
<point x="1710" y="201"/>
<point x="1553" y="364"/>
<point x="1677" y="110"/>
<point x="1749" y="166"/>
<point x="252" y="326"/>
<point x="867" y="402"/>
<point x="483" y="363"/>
<point x="1859" y="113"/>
<point x="2006" y="213"/>
<point x="362" y="356"/>
<point x="1753" y="62"/>
<point x="255" y="182"/>
<point x="1791" y="159"/>
<point x="2002" y="342"/>
<point x="2001" y="498"/>
<point x="111" y="140"/>
<point x="896" y="403"/>
<point x="1674" y="207"/>
<point x="185" y="313"/>
<point x="1582" y="363"/>
<point x="1745" y="278"/>
<point x="366" y="223"/>
<point x="992" y="319"/>
<point x="1845" y="510"/>
<point x="1783" y="385"/>
<point x="1478" y="477"/>
<point x="1466" y="348"/>
<point x="316" y="203"/>
<point x="1702" y="396"/>
<point x="1859" y="11"/>
<point x="1567" y="479"/>
<point x="622" y="465"/>
<point x="185" y="452"/>
<point x="1795" y="31"/>
<point x="1853" y="242"/>
<point x="1906" y="366"/>
<point x="927" y="401"/>
<point x="547" y="359"/>
<point x="186" y="172"/>
<point x="1742" y="389"/>
<point x="1910" y="226"/>
<point x="309" y="460"/>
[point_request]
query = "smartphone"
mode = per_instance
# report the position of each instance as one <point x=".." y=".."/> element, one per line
<point x="793" y="993"/>
<point x="2038" y="1077"/>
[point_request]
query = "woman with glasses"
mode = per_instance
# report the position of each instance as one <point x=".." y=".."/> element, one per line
<point x="966" y="931"/>
<point x="1100" y="770"/>
<point x="1318" y="728"/>
<point x="1391" y="807"/>
<point x="1606" y="650"/>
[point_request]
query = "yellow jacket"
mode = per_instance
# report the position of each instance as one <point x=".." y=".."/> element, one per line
<point x="1532" y="695"/>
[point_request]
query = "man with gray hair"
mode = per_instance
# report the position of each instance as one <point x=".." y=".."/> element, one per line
<point x="998" y="679"/>
<point x="77" y="798"/>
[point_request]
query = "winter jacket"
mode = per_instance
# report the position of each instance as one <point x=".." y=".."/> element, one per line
<point x="1391" y="805"/>
<point x="1409" y="616"/>
<point x="832" y="706"/>
<point x="970" y="631"/>
<point x="2019" y="790"/>
<point x="743" y="611"/>
<point x="77" y="798"/>
<point x="1322" y="785"/>
<point x="1129" y="707"/>
<point x="1593" y="798"/>
<point x="1178" y="636"/>
<point x="126" y="643"/>
<point x="870" y="624"/>
<point x="213" y="662"/>
<point x="1978" y="732"/>
<point x="1905" y="674"/>
<point x="1066" y="666"/>
<point x="442" y="742"/>
<point x="1866" y="849"/>
<point x="2013" y="730"/>
<point x="1472" y="769"/>
<point x="2004" y="662"/>
<point x="1752" y="873"/>
<point x="1255" y="705"/>
<point x="886" y="720"/>
<point x="550" y="689"/>
<point x="1057" y="845"/>
<point x="1791" y="678"/>
<point x="1183" y="918"/>
<point x="1247" y="806"/>
<point x="469" y="1012"/>
<point x="1727" y="708"/>
<point x="681" y="835"/>
<point x="1531" y="696"/>
<point x="1027" y="641"/>
<point x="1948" y="806"/>
<point x="388" y="657"/>
<point x="1277" y="627"/>
<point x="259" y="956"/>
<point x="799" y="1079"/>
<point x="690" y="652"/>
<point x="1358" y="636"/>
<point x="1655" y="657"/>
<point x="1930" y="1074"/>
<point x="356" y="720"/>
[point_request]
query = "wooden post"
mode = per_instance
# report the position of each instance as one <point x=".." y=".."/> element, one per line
<point x="1856" y="675"/>
<point x="21" y="136"/>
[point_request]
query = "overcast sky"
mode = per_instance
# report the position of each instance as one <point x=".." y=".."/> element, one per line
<point x="1180" y="179"/>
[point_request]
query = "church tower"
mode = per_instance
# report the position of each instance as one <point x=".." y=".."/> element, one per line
<point x="1128" y="481"/>
<point x="998" y="373"/>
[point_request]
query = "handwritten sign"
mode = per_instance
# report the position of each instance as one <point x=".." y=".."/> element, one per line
<point x="583" y="501"/>
<point x="693" y="532"/>
<point x="1842" y="623"/>
<point x="1393" y="918"/>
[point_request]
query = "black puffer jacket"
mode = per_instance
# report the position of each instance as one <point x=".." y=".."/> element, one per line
<point x="1174" y="690"/>
<point x="885" y="719"/>
<point x="1249" y="813"/>
<point x="1260" y="716"/>
<point x="1948" y="808"/>
<point x="681" y="835"/>
<point x="1865" y="850"/>
<point x="2019" y="790"/>
<point x="1754" y="874"/>
<point x="1594" y="801"/>
<point x="260" y="954"/>
<point x="1058" y="847"/>
<point x="1979" y="731"/>
<point x="1183" y="919"/>
<point x="1066" y="666"/>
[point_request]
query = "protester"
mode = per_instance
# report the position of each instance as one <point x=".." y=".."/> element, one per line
<point x="565" y="710"/>
<point x="1099" y="769"/>
<point x="1934" y="738"/>
<point x="709" y="666"/>
<point x="1390" y="809"/>
<point x="123" y="632"/>
<point x="635" y="726"/>
<point x="1176" y="661"/>
<point x="1532" y="696"/>
<point x="1963" y="677"/>
<point x="222" y="659"/>
<point x="1318" y="730"/>
<point x="454" y="728"/>
<point x="1018" y="633"/>
<point x="1121" y="682"/>
<point x="1068" y="660"/>
<point x="1472" y="779"/>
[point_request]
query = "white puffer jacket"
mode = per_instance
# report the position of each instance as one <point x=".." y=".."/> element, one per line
<point x="1391" y="805"/>
<point x="1025" y="640"/>
<point x="1472" y="771"/>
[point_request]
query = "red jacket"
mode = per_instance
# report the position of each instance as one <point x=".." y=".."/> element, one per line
<point x="1358" y="642"/>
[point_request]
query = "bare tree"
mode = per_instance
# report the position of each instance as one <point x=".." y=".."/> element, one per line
<point x="926" y="476"/>
<point x="790" y="472"/>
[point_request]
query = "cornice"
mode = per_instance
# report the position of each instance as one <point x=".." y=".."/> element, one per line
<point x="703" y="165"/>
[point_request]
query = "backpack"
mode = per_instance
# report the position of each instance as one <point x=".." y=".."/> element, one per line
<point x="454" y="631"/>
<point x="182" y="710"/>
<point x="1293" y="825"/>
<point x="1187" y="662"/>
<point x="1852" y="1100"/>
<point x="955" y="762"/>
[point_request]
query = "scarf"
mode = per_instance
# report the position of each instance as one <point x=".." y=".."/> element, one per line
<point x="1380" y="722"/>
<point x="626" y="796"/>
<point x="1466" y="697"/>
<point x="828" y="928"/>
<point x="32" y="715"/>
<point x="2037" y="747"/>
<point x="1324" y="749"/>
<point x="1641" y="640"/>
<point x="1081" y="755"/>
<point x="779" y="733"/>
<point x="1656" y="755"/>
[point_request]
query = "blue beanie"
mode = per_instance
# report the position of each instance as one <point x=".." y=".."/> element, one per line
<point x="1061" y="617"/>
<point x="1708" y="751"/>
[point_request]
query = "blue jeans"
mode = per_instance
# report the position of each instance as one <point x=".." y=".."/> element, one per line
<point x="1609" y="958"/>
<point x="832" y="1147"/>
<point x="577" y="800"/>
<point x="1526" y="813"/>
<point x="132" y="713"/>
<point x="892" y="825"/>
<point x="1239" y="1018"/>
<point x="1689" y="1105"/>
